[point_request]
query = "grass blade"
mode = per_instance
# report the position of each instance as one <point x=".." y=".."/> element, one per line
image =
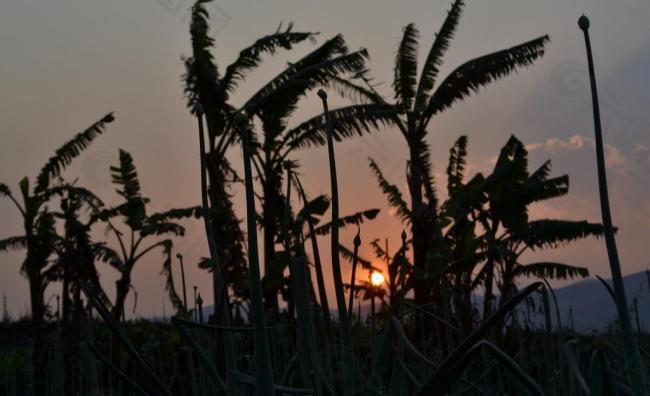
<point x="201" y="354"/>
<point x="249" y="380"/>
<point x="116" y="329"/>
<point x="439" y="380"/>
<point x="505" y="361"/>
<point x="125" y="378"/>
<point x="406" y="342"/>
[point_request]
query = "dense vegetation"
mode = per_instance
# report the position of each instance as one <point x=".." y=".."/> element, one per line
<point x="273" y="329"/>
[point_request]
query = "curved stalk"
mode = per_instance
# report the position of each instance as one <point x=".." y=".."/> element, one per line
<point x="322" y="292"/>
<point x="355" y="258"/>
<point x="298" y="273"/>
<point x="180" y="259"/>
<point x="200" y="353"/>
<point x="347" y="352"/>
<point x="263" y="367"/>
<point x="440" y="381"/>
<point x="633" y="363"/>
<point x="373" y="353"/>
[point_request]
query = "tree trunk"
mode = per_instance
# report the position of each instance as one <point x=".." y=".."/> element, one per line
<point x="39" y="352"/>
<point x="488" y="302"/>
<point x="417" y="231"/>
<point x="419" y="242"/>
<point x="66" y="324"/>
<point x="270" y="291"/>
<point x="224" y="228"/>
<point x="122" y="286"/>
<point x="270" y="213"/>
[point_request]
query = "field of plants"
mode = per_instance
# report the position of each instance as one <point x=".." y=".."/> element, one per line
<point x="456" y="309"/>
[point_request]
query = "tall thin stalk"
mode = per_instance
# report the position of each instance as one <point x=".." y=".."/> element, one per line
<point x="263" y="367"/>
<point x="196" y="318"/>
<point x="320" y="280"/>
<point x="199" y="308"/>
<point x="373" y="353"/>
<point x="180" y="259"/>
<point x="634" y="369"/>
<point x="299" y="282"/>
<point x="347" y="353"/>
<point x="355" y="258"/>
<point x="218" y="286"/>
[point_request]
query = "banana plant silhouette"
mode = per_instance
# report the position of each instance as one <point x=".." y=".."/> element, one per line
<point x="74" y="260"/>
<point x="205" y="86"/>
<point x="279" y="142"/>
<point x="140" y="227"/>
<point x="39" y="234"/>
<point x="420" y="99"/>
<point x="498" y="205"/>
<point x="272" y="104"/>
<point x="75" y="250"/>
<point x="483" y="228"/>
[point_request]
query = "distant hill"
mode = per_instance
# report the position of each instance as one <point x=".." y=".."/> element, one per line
<point x="593" y="307"/>
<point x="584" y="304"/>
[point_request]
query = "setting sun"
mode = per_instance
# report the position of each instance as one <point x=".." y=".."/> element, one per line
<point x="376" y="278"/>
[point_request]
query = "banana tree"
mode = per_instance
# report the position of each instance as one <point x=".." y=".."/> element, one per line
<point x="272" y="104"/>
<point x="498" y="205"/>
<point x="481" y="232"/>
<point x="74" y="263"/>
<point x="140" y="228"/>
<point x="39" y="235"/>
<point x="421" y="98"/>
<point x="75" y="250"/>
<point x="204" y="85"/>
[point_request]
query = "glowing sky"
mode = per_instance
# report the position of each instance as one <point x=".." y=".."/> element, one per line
<point x="64" y="64"/>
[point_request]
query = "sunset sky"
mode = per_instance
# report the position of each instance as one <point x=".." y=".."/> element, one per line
<point x="64" y="64"/>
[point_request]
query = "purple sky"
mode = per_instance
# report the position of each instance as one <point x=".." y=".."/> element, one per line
<point x="66" y="63"/>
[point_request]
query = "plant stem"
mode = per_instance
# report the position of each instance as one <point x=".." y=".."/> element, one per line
<point x="180" y="258"/>
<point x="372" y="327"/>
<point x="298" y="273"/>
<point x="322" y="292"/>
<point x="355" y="258"/>
<point x="634" y="369"/>
<point x="347" y="353"/>
<point x="218" y="287"/>
<point x="263" y="367"/>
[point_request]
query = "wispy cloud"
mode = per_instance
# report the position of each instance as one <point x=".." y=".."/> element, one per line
<point x="614" y="157"/>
